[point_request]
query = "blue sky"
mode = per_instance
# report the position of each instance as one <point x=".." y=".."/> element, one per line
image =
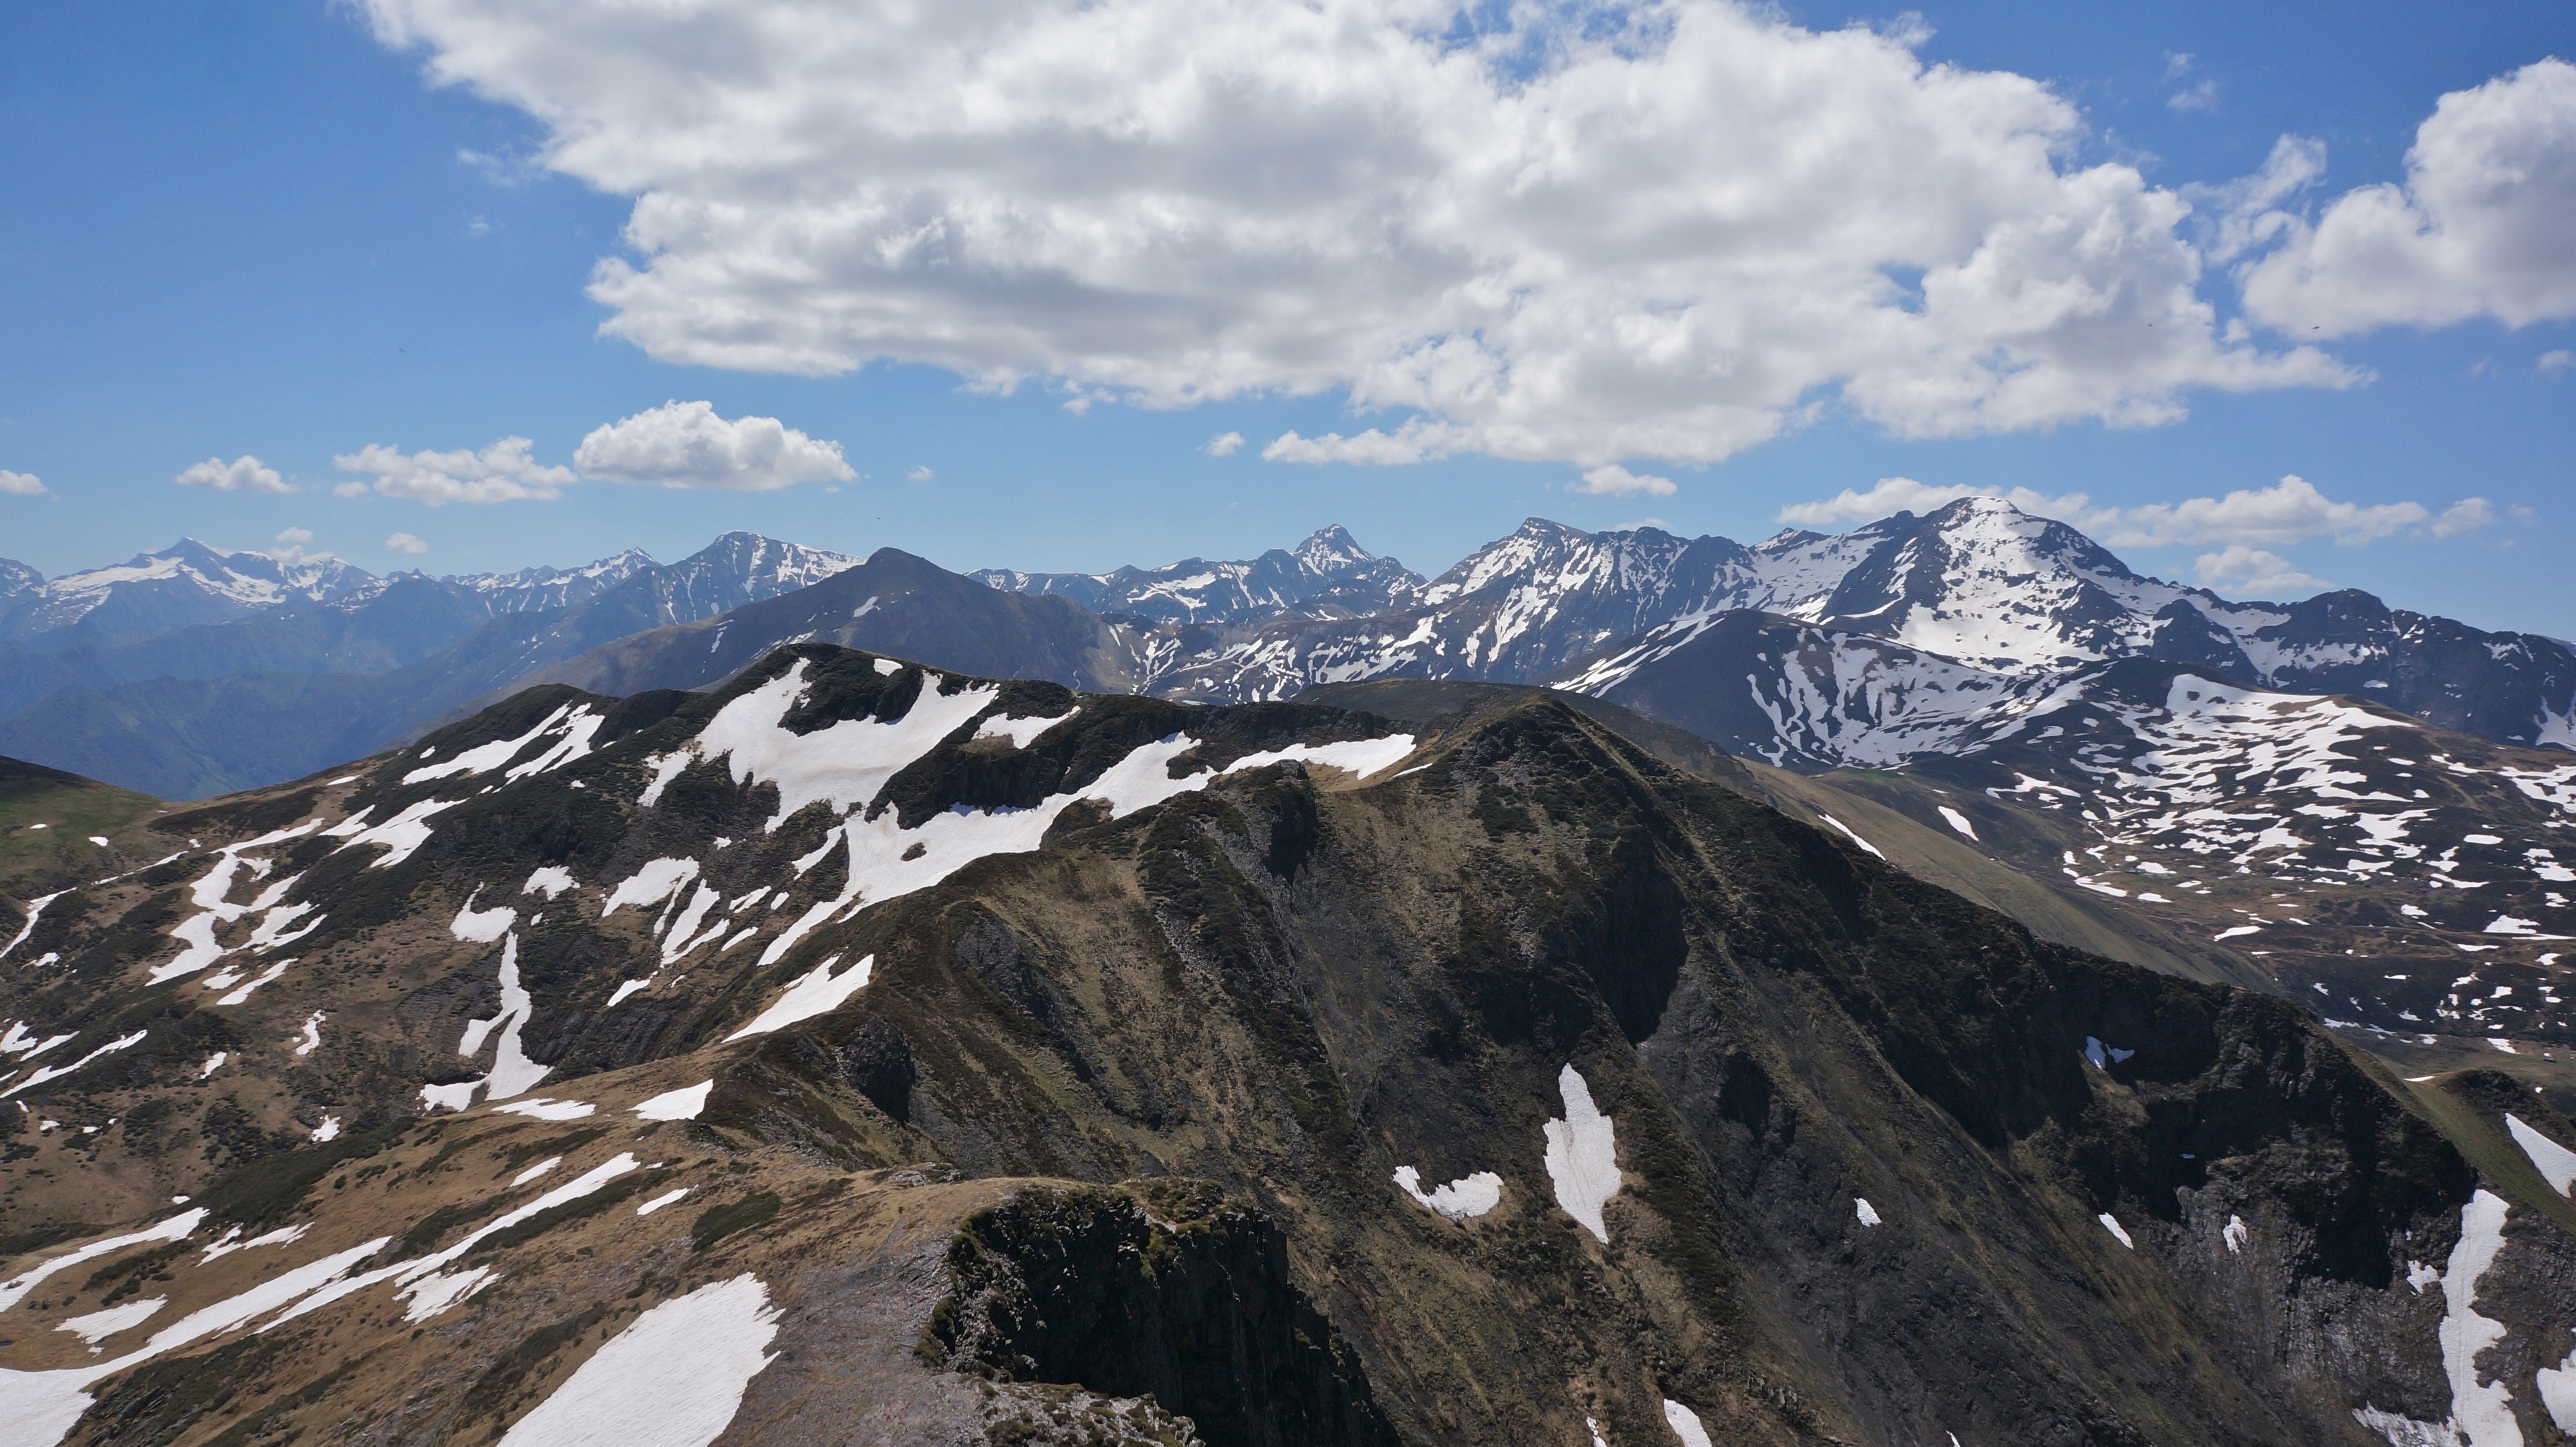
<point x="261" y="231"/>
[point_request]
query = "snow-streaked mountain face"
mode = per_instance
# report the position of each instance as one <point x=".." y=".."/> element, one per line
<point x="17" y="580"/>
<point x="533" y="589"/>
<point x="1977" y="585"/>
<point x="740" y="568"/>
<point x="1808" y="697"/>
<point x="1329" y="575"/>
<point x="2332" y="844"/>
<point x="2415" y="885"/>
<point x="186" y="583"/>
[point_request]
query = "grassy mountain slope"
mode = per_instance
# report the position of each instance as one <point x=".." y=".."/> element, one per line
<point x="48" y="820"/>
<point x="1296" y="949"/>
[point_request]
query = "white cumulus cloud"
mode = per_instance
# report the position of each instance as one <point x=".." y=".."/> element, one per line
<point x="1224" y="444"/>
<point x="2289" y="511"/>
<point x="2555" y="363"/>
<point x="920" y="474"/>
<point x="20" y="484"/>
<point x="1581" y="234"/>
<point x="1617" y="481"/>
<point x="2255" y="573"/>
<point x="2479" y="228"/>
<point x="686" y="445"/>
<point x="405" y="543"/>
<point x="242" y="474"/>
<point x="2465" y="516"/>
<point x="2201" y="97"/>
<point x="503" y="472"/>
<point x="1892" y="495"/>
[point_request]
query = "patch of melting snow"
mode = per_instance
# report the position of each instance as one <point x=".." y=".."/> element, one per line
<point x="19" y="1042"/>
<point x="58" y="1072"/>
<point x="1685" y="1424"/>
<point x="196" y="934"/>
<point x="1958" y="821"/>
<point x="2235" y="1234"/>
<point x="1868" y="1213"/>
<point x="2505" y="924"/>
<point x="1459" y="1200"/>
<point x="674" y="1379"/>
<point x="334" y="1288"/>
<point x="2480" y="1416"/>
<point x="227" y="1244"/>
<point x="2112" y="1224"/>
<point x="681" y="1104"/>
<point x="328" y="1130"/>
<point x="312" y="1040"/>
<point x="843" y="765"/>
<point x="38" y="1409"/>
<point x="243" y="992"/>
<point x="816" y="992"/>
<point x="542" y="1108"/>
<point x="2103" y="1057"/>
<point x="888" y="861"/>
<point x="512" y="1072"/>
<point x="1582" y="1156"/>
<point x="1848" y="834"/>
<point x="539" y="1169"/>
<point x="35" y="911"/>
<point x="651" y="885"/>
<point x="400" y="836"/>
<point x="664" y="1199"/>
<point x="213" y="1063"/>
<point x="484" y="926"/>
<point x="2557" y="1386"/>
<point x="550" y="881"/>
<point x="624" y="989"/>
<point x="2556" y="1163"/>
<point x="98" y="1326"/>
<point x="1020" y="731"/>
<point x="1595" y="1429"/>
<point x="176" y="1228"/>
<point x="435" y="1293"/>
<point x="574" y="722"/>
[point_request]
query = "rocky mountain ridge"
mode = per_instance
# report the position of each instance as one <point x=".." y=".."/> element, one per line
<point x="807" y="1054"/>
<point x="1329" y="575"/>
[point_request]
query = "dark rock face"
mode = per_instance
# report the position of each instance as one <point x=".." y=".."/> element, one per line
<point x="1186" y="1299"/>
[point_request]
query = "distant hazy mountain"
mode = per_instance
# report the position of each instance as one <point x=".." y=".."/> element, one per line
<point x="531" y="589"/>
<point x="1329" y="575"/>
<point x="186" y="583"/>
<point x="1918" y="618"/>
<point x="226" y="706"/>
<point x="893" y="603"/>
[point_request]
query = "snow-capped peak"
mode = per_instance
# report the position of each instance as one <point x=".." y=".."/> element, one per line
<point x="188" y="582"/>
<point x="1332" y="549"/>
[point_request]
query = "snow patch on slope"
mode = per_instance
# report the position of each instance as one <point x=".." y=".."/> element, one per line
<point x="1582" y="1157"/>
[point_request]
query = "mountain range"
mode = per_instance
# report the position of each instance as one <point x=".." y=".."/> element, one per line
<point x="1924" y="984"/>
<point x="1913" y="618"/>
<point x="220" y="675"/>
<point x="863" y="1051"/>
